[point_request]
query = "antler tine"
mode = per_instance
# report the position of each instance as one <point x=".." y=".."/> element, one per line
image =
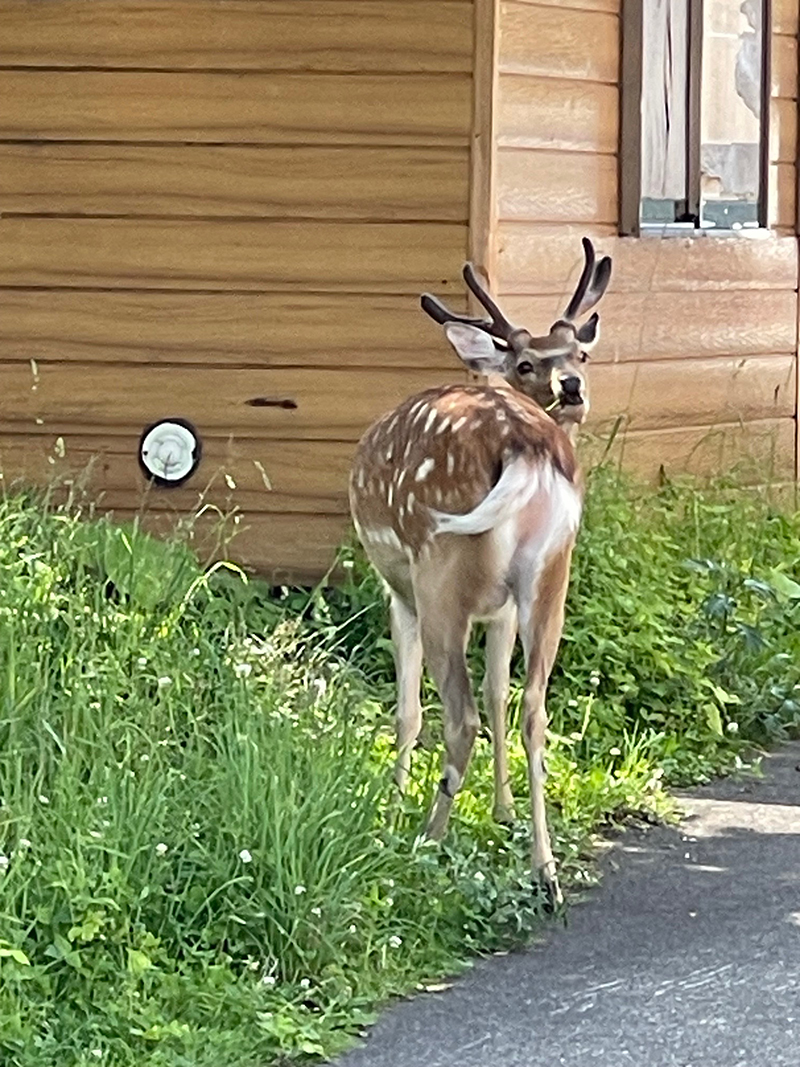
<point x="500" y="326"/>
<point x="441" y="314"/>
<point x="592" y="283"/>
<point x="573" y="308"/>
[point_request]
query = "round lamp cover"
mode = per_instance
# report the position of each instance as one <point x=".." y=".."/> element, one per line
<point x="169" y="451"/>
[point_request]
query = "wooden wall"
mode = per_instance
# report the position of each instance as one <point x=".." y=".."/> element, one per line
<point x="207" y="201"/>
<point x="699" y="344"/>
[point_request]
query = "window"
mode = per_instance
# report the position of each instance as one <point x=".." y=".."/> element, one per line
<point x="695" y="104"/>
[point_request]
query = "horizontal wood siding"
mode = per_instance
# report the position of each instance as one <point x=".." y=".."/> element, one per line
<point x="698" y="346"/>
<point x="209" y="202"/>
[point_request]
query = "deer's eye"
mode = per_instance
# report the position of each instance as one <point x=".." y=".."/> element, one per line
<point x="584" y="356"/>
<point x="524" y="367"/>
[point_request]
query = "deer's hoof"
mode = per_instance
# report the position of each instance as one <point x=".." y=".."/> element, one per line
<point x="548" y="880"/>
<point x="504" y="814"/>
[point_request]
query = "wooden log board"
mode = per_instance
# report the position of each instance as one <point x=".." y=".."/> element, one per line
<point x="556" y="113"/>
<point x="755" y="453"/>
<point x="256" y="329"/>
<point x="558" y="42"/>
<point x="283" y="403"/>
<point x="202" y="181"/>
<point x="677" y="325"/>
<point x="280" y="108"/>
<point x="317" y="35"/>
<point x="538" y="259"/>
<point x="283" y="548"/>
<point x="546" y="186"/>
<point x="693" y="392"/>
<point x="248" y="473"/>
<point x="402" y="257"/>
<point x="292" y="404"/>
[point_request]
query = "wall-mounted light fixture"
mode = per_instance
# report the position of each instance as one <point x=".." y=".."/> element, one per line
<point x="169" y="452"/>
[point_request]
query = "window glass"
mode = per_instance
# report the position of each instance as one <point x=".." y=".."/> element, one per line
<point x="700" y="72"/>
<point x="730" y="113"/>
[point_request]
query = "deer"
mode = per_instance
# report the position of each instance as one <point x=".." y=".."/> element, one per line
<point x="467" y="500"/>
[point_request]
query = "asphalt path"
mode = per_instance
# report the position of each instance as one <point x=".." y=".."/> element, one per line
<point x="687" y="955"/>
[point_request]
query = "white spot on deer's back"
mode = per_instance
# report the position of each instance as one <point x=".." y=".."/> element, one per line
<point x="459" y="423"/>
<point x="424" y="469"/>
<point x="444" y="425"/>
<point x="390" y="495"/>
<point x="430" y="420"/>
<point x="451" y="462"/>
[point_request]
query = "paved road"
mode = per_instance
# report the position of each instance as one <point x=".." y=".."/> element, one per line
<point x="688" y="955"/>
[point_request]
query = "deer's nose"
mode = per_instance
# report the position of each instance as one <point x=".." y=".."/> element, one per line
<point x="571" y="386"/>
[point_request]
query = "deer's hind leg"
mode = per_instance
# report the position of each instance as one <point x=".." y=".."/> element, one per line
<point x="407" y="644"/>
<point x="501" y="634"/>
<point x="541" y="611"/>
<point x="445" y="624"/>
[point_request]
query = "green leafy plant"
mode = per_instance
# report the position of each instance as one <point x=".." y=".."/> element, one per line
<point x="202" y="858"/>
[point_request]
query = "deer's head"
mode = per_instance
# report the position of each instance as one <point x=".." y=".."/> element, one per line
<point x="549" y="369"/>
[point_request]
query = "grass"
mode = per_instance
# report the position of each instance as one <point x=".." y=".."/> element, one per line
<point x="202" y="860"/>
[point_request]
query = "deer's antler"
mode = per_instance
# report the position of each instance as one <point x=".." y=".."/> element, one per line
<point x="592" y="283"/>
<point x="497" y="325"/>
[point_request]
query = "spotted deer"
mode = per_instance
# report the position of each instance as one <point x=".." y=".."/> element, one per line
<point x="467" y="500"/>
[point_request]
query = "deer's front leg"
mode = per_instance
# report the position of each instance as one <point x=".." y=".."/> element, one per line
<point x="408" y="669"/>
<point x="501" y="633"/>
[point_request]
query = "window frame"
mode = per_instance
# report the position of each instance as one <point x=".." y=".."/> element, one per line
<point x="629" y="153"/>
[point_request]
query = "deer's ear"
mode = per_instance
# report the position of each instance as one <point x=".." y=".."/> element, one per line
<point x="475" y="348"/>
<point x="589" y="334"/>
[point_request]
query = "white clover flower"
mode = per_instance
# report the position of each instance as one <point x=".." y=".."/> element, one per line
<point x="733" y="727"/>
<point x="164" y="681"/>
<point x="268" y="979"/>
<point x="245" y="856"/>
<point x="4" y="861"/>
<point x="395" y="941"/>
<point x="480" y="876"/>
<point x="43" y="799"/>
<point x="144" y="757"/>
<point x="352" y="928"/>
<point x="24" y="842"/>
<point x="305" y="983"/>
<point x="615" y="751"/>
<point x="98" y="1052"/>
<point x="195" y="651"/>
<point x="141" y="661"/>
<point x="161" y="849"/>
<point x="102" y="800"/>
<point x="299" y="890"/>
<point x="242" y="670"/>
<point x="316" y="911"/>
<point x="95" y="834"/>
<point x="594" y="681"/>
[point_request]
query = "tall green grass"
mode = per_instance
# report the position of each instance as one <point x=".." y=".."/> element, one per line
<point x="202" y="859"/>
